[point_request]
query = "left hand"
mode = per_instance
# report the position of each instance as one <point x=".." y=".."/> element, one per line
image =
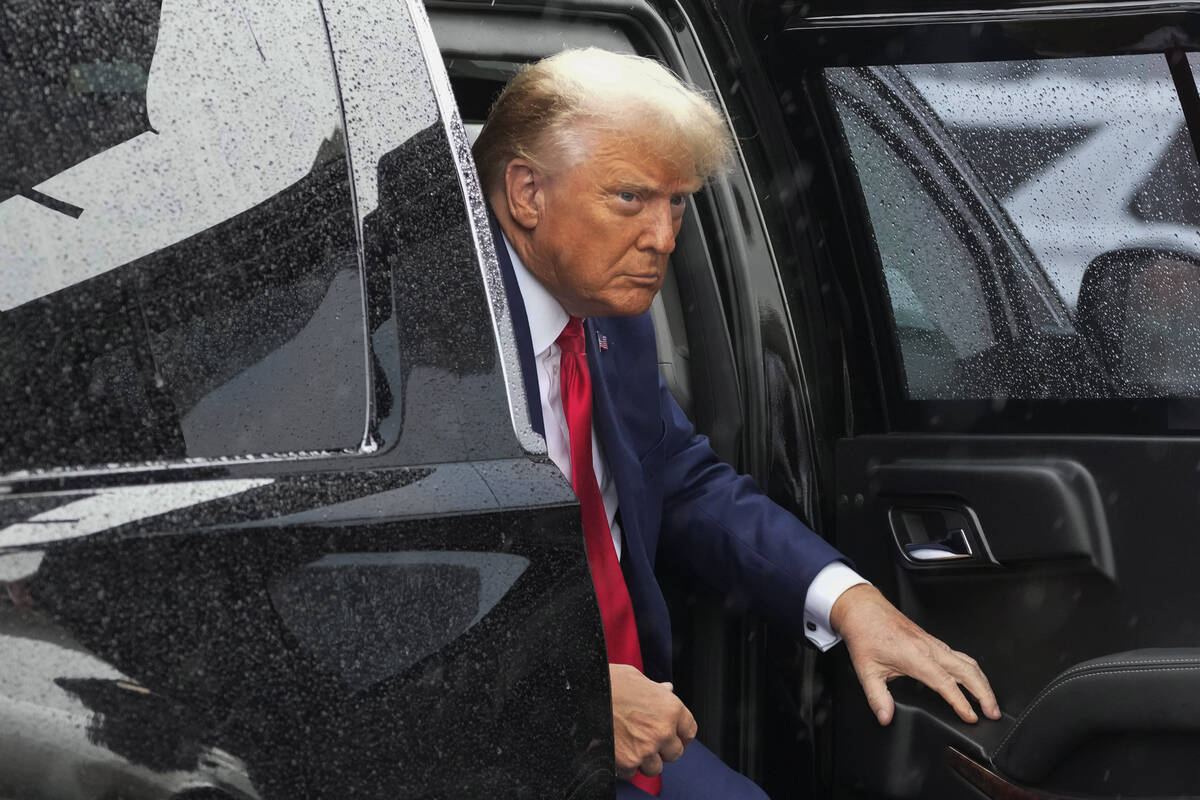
<point x="885" y="644"/>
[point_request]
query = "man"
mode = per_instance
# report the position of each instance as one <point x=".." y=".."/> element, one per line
<point x="587" y="160"/>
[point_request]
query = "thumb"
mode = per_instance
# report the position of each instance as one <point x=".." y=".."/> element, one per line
<point x="879" y="698"/>
<point x="669" y="686"/>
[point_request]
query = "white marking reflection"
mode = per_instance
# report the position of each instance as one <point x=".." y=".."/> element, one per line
<point x="116" y="507"/>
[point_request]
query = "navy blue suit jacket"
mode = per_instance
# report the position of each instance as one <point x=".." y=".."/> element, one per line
<point x="677" y="500"/>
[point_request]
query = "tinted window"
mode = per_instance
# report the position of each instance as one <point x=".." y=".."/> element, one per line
<point x="1163" y="328"/>
<point x="1089" y="165"/>
<point x="179" y="269"/>
<point x="921" y="255"/>
<point x="1176" y="168"/>
<point x="440" y="388"/>
<point x="1083" y="153"/>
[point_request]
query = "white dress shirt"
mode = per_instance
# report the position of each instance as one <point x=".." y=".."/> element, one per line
<point x="546" y="321"/>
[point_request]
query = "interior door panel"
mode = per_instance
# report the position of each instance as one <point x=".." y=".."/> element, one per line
<point x="1063" y="491"/>
<point x="1094" y="556"/>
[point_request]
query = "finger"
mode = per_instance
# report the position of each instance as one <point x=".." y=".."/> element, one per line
<point x="947" y="687"/>
<point x="878" y="697"/>
<point x="930" y="671"/>
<point x="627" y="763"/>
<point x="672" y="750"/>
<point x="971" y="676"/>
<point x="651" y="766"/>
<point x="686" y="727"/>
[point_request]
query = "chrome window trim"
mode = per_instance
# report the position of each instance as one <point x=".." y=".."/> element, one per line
<point x="172" y="465"/>
<point x="489" y="265"/>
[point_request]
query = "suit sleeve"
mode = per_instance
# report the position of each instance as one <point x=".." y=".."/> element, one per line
<point x="721" y="527"/>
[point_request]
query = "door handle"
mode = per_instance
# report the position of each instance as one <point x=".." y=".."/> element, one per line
<point x="954" y="546"/>
<point x="929" y="535"/>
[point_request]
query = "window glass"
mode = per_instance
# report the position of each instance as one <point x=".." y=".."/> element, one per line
<point x="1177" y="167"/>
<point x="921" y="256"/>
<point x="440" y="387"/>
<point x="178" y="264"/>
<point x="1082" y="170"/>
<point x="1083" y="153"/>
<point x="1163" y="328"/>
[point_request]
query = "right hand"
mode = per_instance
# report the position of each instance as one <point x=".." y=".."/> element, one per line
<point x="885" y="644"/>
<point x="650" y="723"/>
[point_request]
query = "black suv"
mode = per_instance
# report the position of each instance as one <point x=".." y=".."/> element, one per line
<point x="273" y="519"/>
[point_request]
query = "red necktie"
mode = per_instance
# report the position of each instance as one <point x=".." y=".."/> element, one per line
<point x="616" y="609"/>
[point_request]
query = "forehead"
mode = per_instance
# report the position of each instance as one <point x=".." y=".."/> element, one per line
<point x="639" y="158"/>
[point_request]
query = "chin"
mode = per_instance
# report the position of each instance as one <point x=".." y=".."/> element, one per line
<point x="631" y="306"/>
<point x="625" y="302"/>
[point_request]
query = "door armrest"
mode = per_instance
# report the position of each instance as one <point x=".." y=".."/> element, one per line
<point x="1139" y="691"/>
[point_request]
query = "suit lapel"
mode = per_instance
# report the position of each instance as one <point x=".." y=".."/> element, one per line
<point x="618" y="448"/>
<point x="516" y="310"/>
<point x="637" y="496"/>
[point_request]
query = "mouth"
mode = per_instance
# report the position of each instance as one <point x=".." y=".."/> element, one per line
<point x="648" y="280"/>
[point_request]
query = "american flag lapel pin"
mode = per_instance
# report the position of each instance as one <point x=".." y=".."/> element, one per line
<point x="601" y="341"/>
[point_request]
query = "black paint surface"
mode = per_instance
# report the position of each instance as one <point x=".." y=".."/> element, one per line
<point x="322" y="650"/>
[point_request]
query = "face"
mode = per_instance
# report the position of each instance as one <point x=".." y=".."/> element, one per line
<point x="606" y="225"/>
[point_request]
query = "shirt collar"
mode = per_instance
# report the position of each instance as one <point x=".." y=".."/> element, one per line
<point x="546" y="317"/>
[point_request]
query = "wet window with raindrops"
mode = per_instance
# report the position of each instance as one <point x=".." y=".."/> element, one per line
<point x="177" y="240"/>
<point x="1037" y="223"/>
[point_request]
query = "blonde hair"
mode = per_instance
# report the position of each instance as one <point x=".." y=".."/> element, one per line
<point x="547" y="109"/>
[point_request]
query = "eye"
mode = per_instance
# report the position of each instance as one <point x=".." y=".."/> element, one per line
<point x="628" y="197"/>
<point x="679" y="200"/>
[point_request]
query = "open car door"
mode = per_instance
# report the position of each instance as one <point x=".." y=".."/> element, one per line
<point x="1016" y="258"/>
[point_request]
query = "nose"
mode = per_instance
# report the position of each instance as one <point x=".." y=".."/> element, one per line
<point x="658" y="235"/>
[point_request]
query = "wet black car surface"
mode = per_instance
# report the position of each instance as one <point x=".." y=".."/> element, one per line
<point x="398" y="605"/>
<point x="273" y="522"/>
<point x="305" y="648"/>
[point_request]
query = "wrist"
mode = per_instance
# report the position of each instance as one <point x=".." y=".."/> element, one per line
<point x="840" y="616"/>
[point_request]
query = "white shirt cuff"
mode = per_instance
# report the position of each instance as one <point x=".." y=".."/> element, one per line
<point x="823" y="592"/>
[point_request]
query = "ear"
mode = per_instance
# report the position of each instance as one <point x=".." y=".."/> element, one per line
<point x="522" y="191"/>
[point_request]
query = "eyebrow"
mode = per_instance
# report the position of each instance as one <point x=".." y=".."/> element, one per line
<point x="644" y="188"/>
